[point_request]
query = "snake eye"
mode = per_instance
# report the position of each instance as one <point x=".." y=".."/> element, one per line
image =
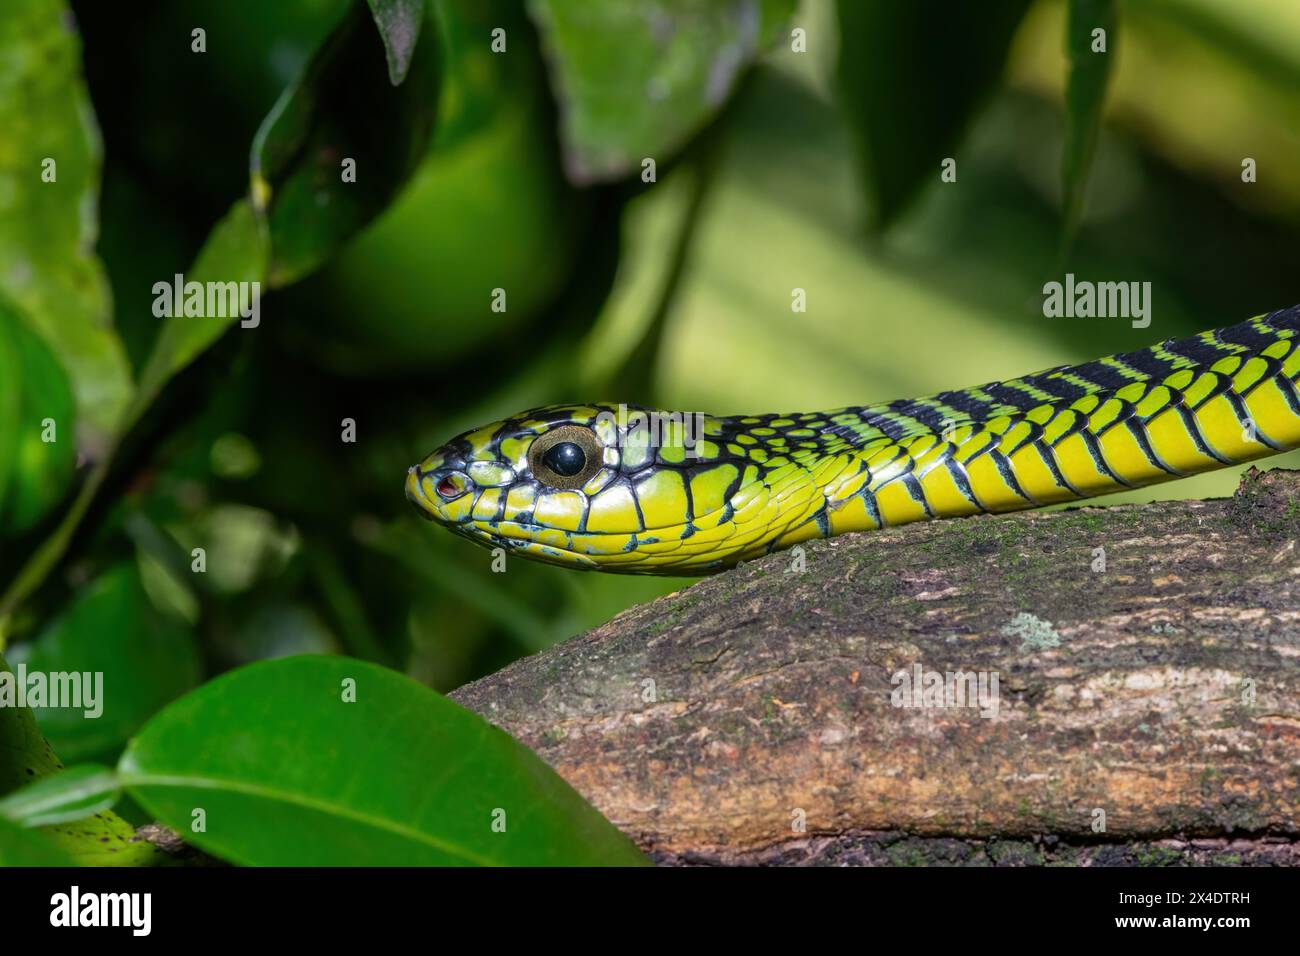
<point x="565" y="459"/>
<point x="567" y="456"/>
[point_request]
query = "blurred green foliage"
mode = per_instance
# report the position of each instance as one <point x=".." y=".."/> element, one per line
<point x="1089" y="33"/>
<point x="112" y="628"/>
<point x="902" y="148"/>
<point x="674" y="62"/>
<point x="523" y="170"/>
<point x="49" y="190"/>
<point x="36" y="402"/>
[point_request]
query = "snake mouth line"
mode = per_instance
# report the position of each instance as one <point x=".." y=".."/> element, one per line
<point x="548" y="554"/>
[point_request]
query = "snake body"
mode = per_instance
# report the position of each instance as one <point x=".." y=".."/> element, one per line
<point x="589" y="487"/>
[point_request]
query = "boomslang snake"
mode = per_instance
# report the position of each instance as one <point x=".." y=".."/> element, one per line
<point x="641" y="491"/>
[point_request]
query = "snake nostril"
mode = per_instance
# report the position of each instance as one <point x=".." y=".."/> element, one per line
<point x="451" y="486"/>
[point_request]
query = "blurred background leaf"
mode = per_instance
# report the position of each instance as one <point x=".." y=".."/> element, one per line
<point x="144" y="658"/>
<point x="912" y="76"/>
<point x="405" y="297"/>
<point x="22" y="847"/>
<point x="399" y="24"/>
<point x="34" y="390"/>
<point x="636" y="78"/>
<point x="102" y="839"/>
<point x="49" y="210"/>
<point x="1089" y="37"/>
<point x="236" y="251"/>
<point x="342" y="111"/>
<point x="72" y="794"/>
<point x="398" y="776"/>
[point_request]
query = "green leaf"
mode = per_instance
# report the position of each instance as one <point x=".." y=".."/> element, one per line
<point x="912" y="75"/>
<point x="343" y="109"/>
<point x="48" y="229"/>
<point x="1085" y="95"/>
<point x="290" y="773"/>
<point x="103" y="839"/>
<point x="637" y="78"/>
<point x="236" y="251"/>
<point x="10" y="406"/>
<point x="111" y="630"/>
<point x="22" y="847"/>
<point x="34" y="389"/>
<point x="24" y="753"/>
<point x="399" y="25"/>
<point x="71" y="794"/>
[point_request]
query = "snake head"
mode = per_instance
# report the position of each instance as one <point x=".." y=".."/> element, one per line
<point x="614" y="488"/>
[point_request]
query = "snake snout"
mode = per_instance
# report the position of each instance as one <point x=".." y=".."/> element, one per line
<point x="416" y="496"/>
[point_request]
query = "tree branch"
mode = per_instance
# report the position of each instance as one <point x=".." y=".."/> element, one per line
<point x="1147" y="708"/>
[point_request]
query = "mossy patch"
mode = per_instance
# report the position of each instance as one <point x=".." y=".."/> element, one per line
<point x="1267" y="503"/>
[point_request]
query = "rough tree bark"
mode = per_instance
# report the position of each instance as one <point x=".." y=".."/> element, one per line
<point x="1157" y="694"/>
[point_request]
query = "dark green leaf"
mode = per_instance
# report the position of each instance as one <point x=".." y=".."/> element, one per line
<point x="103" y="839"/>
<point x="23" y="847"/>
<point x="146" y="660"/>
<point x="399" y="25"/>
<point x="48" y="229"/>
<point x="71" y="794"/>
<point x="343" y="110"/>
<point x="288" y="772"/>
<point x="637" y="78"/>
<point x="11" y="401"/>
<point x="24" y="753"/>
<point x="912" y="75"/>
<point x="1085" y="95"/>
<point x="35" y="403"/>
<point x="235" y="251"/>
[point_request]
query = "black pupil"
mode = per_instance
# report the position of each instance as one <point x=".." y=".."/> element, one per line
<point x="565" y="459"/>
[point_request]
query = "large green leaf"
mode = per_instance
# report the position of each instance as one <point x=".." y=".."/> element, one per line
<point x="23" y="847"/>
<point x="288" y="772"/>
<point x="1085" y="95"/>
<point x="102" y="839"/>
<point x="48" y="228"/>
<point x="912" y="74"/>
<point x="344" y="108"/>
<point x="111" y="629"/>
<point x="637" y="78"/>
<point x="34" y="392"/>
<point x="399" y="24"/>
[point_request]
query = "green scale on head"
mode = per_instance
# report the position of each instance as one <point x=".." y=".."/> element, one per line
<point x="644" y="491"/>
